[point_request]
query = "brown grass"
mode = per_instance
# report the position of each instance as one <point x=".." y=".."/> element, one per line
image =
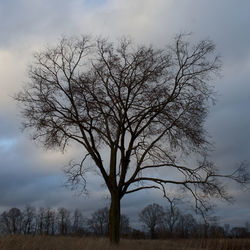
<point x="86" y="243"/>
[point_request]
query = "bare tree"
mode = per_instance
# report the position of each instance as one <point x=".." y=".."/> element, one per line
<point x="238" y="232"/>
<point x="124" y="225"/>
<point x="226" y="230"/>
<point x="5" y="223"/>
<point x="49" y="221"/>
<point x="28" y="224"/>
<point x="99" y="221"/>
<point x="143" y="106"/>
<point x="12" y="221"/>
<point x="63" y="219"/>
<point x="186" y="226"/>
<point x="172" y="216"/>
<point x="247" y="226"/>
<point x="77" y="221"/>
<point x="40" y="220"/>
<point x="152" y="216"/>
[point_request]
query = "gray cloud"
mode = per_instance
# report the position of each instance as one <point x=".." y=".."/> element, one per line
<point x="28" y="174"/>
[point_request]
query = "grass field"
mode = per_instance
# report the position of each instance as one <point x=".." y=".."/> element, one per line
<point x="67" y="243"/>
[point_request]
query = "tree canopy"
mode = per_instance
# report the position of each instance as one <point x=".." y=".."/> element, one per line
<point x="144" y="107"/>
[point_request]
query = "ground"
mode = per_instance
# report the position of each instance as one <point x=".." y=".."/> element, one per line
<point x="87" y="243"/>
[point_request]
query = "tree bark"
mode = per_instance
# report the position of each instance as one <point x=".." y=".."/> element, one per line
<point x="152" y="232"/>
<point x="114" y="219"/>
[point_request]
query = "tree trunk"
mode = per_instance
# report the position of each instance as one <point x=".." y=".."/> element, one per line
<point x="152" y="232"/>
<point x="114" y="219"/>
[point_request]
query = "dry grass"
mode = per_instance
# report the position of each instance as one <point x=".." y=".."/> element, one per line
<point x="69" y="243"/>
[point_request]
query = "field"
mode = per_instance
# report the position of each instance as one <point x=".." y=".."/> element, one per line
<point x="84" y="243"/>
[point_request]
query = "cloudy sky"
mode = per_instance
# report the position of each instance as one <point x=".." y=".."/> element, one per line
<point x="31" y="175"/>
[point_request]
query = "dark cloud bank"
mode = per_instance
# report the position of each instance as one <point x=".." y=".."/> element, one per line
<point x="30" y="175"/>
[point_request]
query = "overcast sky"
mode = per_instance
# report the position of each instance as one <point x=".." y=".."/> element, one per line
<point x="31" y="175"/>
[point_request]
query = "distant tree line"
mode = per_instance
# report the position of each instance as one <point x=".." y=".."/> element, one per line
<point x="61" y="221"/>
<point x="171" y="222"/>
<point x="157" y="221"/>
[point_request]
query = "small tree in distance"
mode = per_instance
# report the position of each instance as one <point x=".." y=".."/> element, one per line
<point x="172" y="215"/>
<point x="140" y="105"/>
<point x="152" y="216"/>
<point x="99" y="221"/>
